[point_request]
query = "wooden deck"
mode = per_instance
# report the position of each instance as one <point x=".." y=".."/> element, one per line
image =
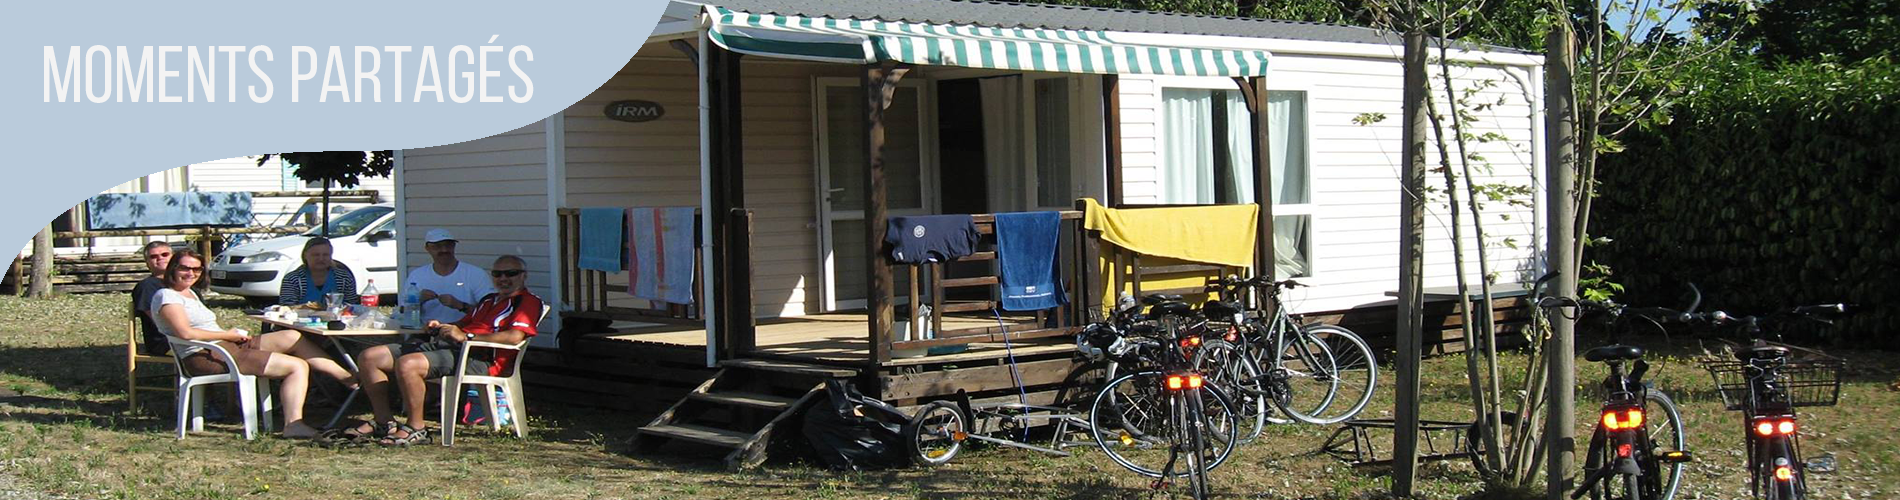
<point x="841" y="339"/>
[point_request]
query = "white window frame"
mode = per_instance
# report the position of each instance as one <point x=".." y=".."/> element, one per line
<point x="1311" y="207"/>
<point x="821" y="156"/>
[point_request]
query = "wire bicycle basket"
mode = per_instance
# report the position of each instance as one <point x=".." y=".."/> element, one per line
<point x="1807" y="382"/>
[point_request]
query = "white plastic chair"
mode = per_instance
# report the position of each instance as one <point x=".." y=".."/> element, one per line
<point x="252" y="396"/>
<point x="517" y="400"/>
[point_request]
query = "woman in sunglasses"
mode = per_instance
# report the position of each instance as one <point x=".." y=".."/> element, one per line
<point x="182" y="314"/>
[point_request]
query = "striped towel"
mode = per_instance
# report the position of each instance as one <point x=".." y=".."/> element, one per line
<point x="660" y="254"/>
<point x="602" y="238"/>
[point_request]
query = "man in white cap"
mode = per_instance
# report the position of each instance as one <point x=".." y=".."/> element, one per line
<point x="448" y="287"/>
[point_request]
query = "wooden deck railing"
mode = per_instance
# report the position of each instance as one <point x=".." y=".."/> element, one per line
<point x="587" y="290"/>
<point x="928" y="284"/>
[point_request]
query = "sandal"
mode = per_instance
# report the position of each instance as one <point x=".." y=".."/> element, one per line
<point x="410" y="435"/>
<point x="351" y="436"/>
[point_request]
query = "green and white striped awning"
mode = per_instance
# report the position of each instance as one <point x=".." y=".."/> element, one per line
<point x="854" y="41"/>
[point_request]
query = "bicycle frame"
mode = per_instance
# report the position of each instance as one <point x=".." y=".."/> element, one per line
<point x="1774" y="443"/>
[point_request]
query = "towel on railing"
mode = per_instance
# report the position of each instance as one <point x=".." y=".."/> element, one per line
<point x="155" y="210"/>
<point x="1026" y="245"/>
<point x="1213" y="234"/>
<point x="603" y="237"/>
<point x="916" y="239"/>
<point x="660" y="254"/>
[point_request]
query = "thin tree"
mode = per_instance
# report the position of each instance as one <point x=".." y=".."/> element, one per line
<point x="339" y="168"/>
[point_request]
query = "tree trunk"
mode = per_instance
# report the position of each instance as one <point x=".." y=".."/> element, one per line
<point x="326" y="210"/>
<point x="1411" y="269"/>
<point x="1561" y="116"/>
<point x="42" y="264"/>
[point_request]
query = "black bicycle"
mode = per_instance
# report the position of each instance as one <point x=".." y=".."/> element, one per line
<point x="1766" y="381"/>
<point x="1163" y="420"/>
<point x="1638" y="447"/>
<point x="1313" y="373"/>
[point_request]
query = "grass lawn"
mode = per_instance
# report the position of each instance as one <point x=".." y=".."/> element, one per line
<point x="67" y="433"/>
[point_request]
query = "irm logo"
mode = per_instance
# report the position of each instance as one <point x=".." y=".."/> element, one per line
<point x="634" y="111"/>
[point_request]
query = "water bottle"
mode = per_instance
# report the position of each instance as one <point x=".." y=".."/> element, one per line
<point x="503" y="414"/>
<point x="370" y="295"/>
<point x="411" y="306"/>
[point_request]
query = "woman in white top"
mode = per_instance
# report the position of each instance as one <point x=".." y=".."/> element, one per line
<point x="182" y="314"/>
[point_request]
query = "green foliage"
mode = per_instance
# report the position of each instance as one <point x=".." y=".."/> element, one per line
<point x="1810" y="30"/>
<point x="1772" y="187"/>
<point x="343" y="168"/>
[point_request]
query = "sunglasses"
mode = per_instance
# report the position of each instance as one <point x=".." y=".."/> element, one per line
<point x="510" y="273"/>
<point x="199" y="269"/>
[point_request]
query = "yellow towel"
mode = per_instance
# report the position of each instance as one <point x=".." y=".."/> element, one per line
<point x="1215" y="234"/>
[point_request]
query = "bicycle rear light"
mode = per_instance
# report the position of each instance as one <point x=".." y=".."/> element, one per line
<point x="1189" y="342"/>
<point x="1233" y="334"/>
<point x="1188" y="381"/>
<point x="1623" y="450"/>
<point x="1623" y="419"/>
<point x="1770" y="426"/>
<point x="1784" y="473"/>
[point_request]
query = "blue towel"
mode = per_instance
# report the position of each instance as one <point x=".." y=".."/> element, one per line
<point x="603" y="236"/>
<point x="660" y="254"/>
<point x="917" y="239"/>
<point x="1026" y="250"/>
<point x="157" y="210"/>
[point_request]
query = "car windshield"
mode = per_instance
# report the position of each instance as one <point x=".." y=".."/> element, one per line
<point x="352" y="222"/>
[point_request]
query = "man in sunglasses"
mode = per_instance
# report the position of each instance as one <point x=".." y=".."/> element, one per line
<point x="506" y="316"/>
<point x="157" y="254"/>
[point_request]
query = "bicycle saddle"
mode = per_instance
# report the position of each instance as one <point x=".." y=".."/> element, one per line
<point x="1219" y="310"/>
<point x="1617" y="352"/>
<point x="1171" y="308"/>
<point x="1160" y="298"/>
<point x="1761" y="352"/>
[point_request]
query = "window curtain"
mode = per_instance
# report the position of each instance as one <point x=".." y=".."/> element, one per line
<point x="1286" y="142"/>
<point x="1239" y="148"/>
<point x="1187" y="165"/>
<point x="1002" y="140"/>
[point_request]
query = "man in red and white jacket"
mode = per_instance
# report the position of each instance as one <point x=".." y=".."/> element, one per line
<point x="507" y="316"/>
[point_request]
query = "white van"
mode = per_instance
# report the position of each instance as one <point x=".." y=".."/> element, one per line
<point x="364" y="239"/>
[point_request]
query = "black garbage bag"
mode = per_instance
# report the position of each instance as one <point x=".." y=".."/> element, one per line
<point x="850" y="431"/>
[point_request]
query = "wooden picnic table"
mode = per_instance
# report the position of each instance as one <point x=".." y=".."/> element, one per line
<point x="336" y="338"/>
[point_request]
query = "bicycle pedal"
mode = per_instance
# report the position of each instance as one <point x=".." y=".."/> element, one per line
<point x="1675" y="456"/>
<point x="1158" y="484"/>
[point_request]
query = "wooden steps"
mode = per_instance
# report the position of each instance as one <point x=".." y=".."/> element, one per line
<point x="740" y="407"/>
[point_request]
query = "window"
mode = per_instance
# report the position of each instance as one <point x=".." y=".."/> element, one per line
<point x="1053" y="164"/>
<point x="1206" y="158"/>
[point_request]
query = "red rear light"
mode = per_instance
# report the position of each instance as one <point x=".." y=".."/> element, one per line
<point x="1784" y="473"/>
<point x="1188" y="381"/>
<point x="1175" y="382"/>
<point x="1768" y="427"/>
<point x="1194" y="381"/>
<point x="1610" y="421"/>
<point x="1232" y="334"/>
<point x="1765" y="428"/>
<point x="1785" y="427"/>
<point x="1623" y="450"/>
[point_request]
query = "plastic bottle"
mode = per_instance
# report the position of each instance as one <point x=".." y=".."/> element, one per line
<point x="412" y="306"/>
<point x="503" y="414"/>
<point x="370" y="295"/>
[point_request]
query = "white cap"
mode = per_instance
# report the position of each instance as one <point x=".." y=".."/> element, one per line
<point x="438" y="235"/>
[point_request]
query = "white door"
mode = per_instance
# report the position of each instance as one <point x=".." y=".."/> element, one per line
<point x="908" y="177"/>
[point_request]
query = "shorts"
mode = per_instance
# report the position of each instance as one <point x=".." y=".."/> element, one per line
<point x="441" y="354"/>
<point x="250" y="360"/>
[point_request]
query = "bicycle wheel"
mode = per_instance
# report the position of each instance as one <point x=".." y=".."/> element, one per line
<point x="1225" y="365"/>
<point x="1196" y="444"/>
<point x="1134" y="423"/>
<point x="1664" y="431"/>
<point x="935" y="434"/>
<point x="1326" y="374"/>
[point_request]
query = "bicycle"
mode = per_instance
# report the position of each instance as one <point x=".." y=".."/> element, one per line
<point x="1303" y="370"/>
<point x="1164" y="411"/>
<point x="1766" y="384"/>
<point x="1638" y="448"/>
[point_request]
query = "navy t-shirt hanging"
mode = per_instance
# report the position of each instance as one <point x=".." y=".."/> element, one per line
<point x="916" y="239"/>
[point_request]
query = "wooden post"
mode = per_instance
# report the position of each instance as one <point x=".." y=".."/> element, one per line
<point x="1560" y="120"/>
<point x="732" y="266"/>
<point x="879" y="82"/>
<point x="1255" y="88"/>
<point x="1411" y="269"/>
<point x="42" y="283"/>
<point x="1112" y="140"/>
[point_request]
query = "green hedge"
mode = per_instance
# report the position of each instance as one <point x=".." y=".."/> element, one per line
<point x="1769" y="188"/>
